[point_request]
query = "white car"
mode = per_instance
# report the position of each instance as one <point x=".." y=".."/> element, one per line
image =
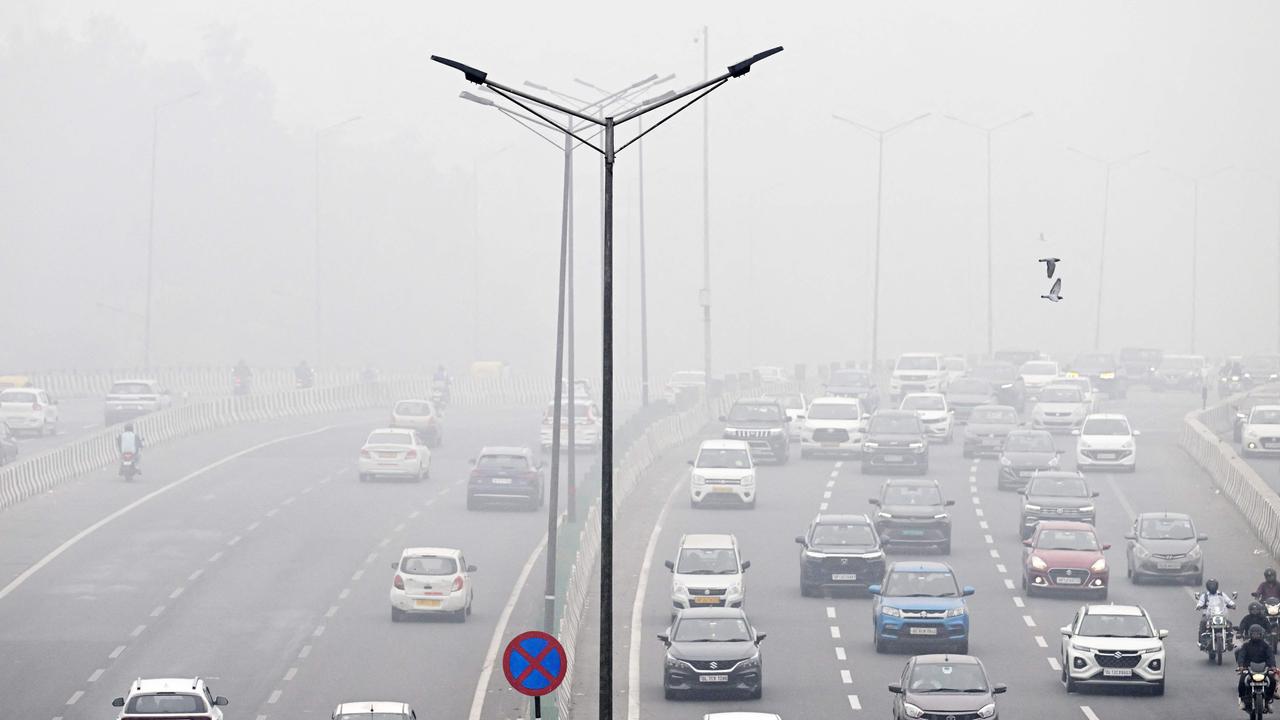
<point x="723" y="471"/>
<point x="131" y="398"/>
<point x="1106" y="441"/>
<point x="1037" y="375"/>
<point x="1085" y="385"/>
<point x="934" y="413"/>
<point x="770" y="374"/>
<point x="832" y="425"/>
<point x="420" y="415"/>
<point x="682" y="381"/>
<point x="741" y="715"/>
<point x="794" y="405"/>
<point x="917" y="372"/>
<point x="1113" y="645"/>
<point x="395" y="452"/>
<point x="376" y="709"/>
<point x="431" y="581"/>
<point x="954" y="367"/>
<point x="29" y="410"/>
<point x="1060" y="407"/>
<point x="708" y="572"/>
<point x="1260" y="433"/>
<point x="185" y="698"/>
<point x="588" y="426"/>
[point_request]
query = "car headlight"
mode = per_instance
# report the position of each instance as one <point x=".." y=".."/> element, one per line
<point x="751" y="662"/>
<point x="988" y="710"/>
<point x="915" y="445"/>
<point x="940" y="516"/>
<point x="1083" y="444"/>
<point x="1006" y="386"/>
<point x="1032" y="508"/>
<point x="814" y="554"/>
<point x="749" y="479"/>
<point x="1098" y="565"/>
<point x="1156" y="649"/>
<point x="890" y="611"/>
<point x="1107" y="375"/>
<point x="884" y="515"/>
<point x="1006" y="461"/>
<point x="1083" y="649"/>
<point x="734" y="589"/>
<point x="956" y="612"/>
<point x="1195" y="553"/>
<point x="912" y="711"/>
<point x="1127" y="445"/>
<point x="1053" y="461"/>
<point x="869" y="445"/>
<point x="1141" y="551"/>
<point x="698" y="479"/>
<point x="674" y="662"/>
<point x="1038" y="563"/>
<point x="1086" y="508"/>
<point x="680" y="589"/>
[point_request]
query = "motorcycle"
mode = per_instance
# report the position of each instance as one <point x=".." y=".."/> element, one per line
<point x="128" y="466"/>
<point x="1255" y="683"/>
<point x="1219" y="636"/>
<point x="440" y="393"/>
<point x="304" y="381"/>
<point x="240" y="384"/>
<point x="1271" y="608"/>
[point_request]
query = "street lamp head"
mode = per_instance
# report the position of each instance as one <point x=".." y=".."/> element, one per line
<point x="739" y="69"/>
<point x="472" y="74"/>
<point x="476" y="99"/>
<point x="645" y="81"/>
<point x="536" y="86"/>
<point x="657" y="98"/>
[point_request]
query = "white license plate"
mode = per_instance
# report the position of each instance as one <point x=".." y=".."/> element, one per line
<point x="426" y="603"/>
<point x="1169" y="565"/>
<point x="836" y="445"/>
<point x="1106" y="456"/>
<point x="844" y="576"/>
<point x="1026" y="473"/>
<point x="1117" y="672"/>
<point x="388" y="454"/>
<point x="923" y="631"/>
<point x="722" y="489"/>
<point x="501" y="481"/>
<point x="706" y="601"/>
<point x="713" y="678"/>
<point x="893" y="458"/>
<point x="1069" y="581"/>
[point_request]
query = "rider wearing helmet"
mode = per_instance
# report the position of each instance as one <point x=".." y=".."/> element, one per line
<point x="1212" y="602"/>
<point x="130" y="441"/>
<point x="1255" y="650"/>
<point x="1257" y="616"/>
<point x="1269" y="588"/>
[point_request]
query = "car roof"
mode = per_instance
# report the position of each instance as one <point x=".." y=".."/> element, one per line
<point x="406" y="431"/>
<point x="1069" y="474"/>
<point x="756" y="401"/>
<point x="1266" y="407"/>
<point x="504" y="450"/>
<point x="708" y="540"/>
<point x="1107" y="416"/>
<point x="829" y="400"/>
<point x="430" y="552"/>
<point x="1127" y="610"/>
<point x="1029" y="431"/>
<point x="995" y="407"/>
<point x="1059" y="385"/>
<point x="372" y="706"/>
<point x="413" y="400"/>
<point x="713" y="612"/>
<point x="922" y="394"/>
<point x="136" y="380"/>
<point x="154" y="685"/>
<point x="928" y="566"/>
<point x="920" y="354"/>
<point x="894" y="412"/>
<point x="841" y="519"/>
<point x="937" y="659"/>
<point x="909" y="482"/>
<point x="23" y="389"/>
<point x="1064" y="525"/>
<point x="1164" y="515"/>
<point x="724" y="445"/>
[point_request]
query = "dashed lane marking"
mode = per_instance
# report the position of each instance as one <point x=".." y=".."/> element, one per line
<point x="835" y="632"/>
<point x="995" y="553"/>
<point x="1001" y="568"/>
<point x="1017" y="600"/>
<point x="253" y="526"/>
<point x="195" y="575"/>
<point x="840" y="655"/>
<point x="318" y="631"/>
<point x="304" y="652"/>
<point x="398" y="528"/>
<point x="853" y="702"/>
<point x="839" y="464"/>
<point x="174" y="595"/>
<point x="846" y="677"/>
<point x="831" y="483"/>
<point x="977" y="511"/>
<point x="272" y="512"/>
<point x="826" y="495"/>
<point x="308" y="489"/>
<point x="333" y="610"/>
<point x="414" y="514"/>
<point x="1041" y="641"/>
<point x="275" y="697"/>
<point x="823" y="506"/>
<point x="288" y="501"/>
<point x="293" y="671"/>
<point x="215" y="557"/>
<point x="116" y="653"/>
<point x="1088" y="712"/>
<point x="834" y="473"/>
<point x="1008" y="583"/>
<point x="989" y="540"/>
<point x="1053" y="663"/>
<point x="1030" y="621"/>
<point x="156" y="613"/>
<point x="371" y="556"/>
<point x="973" y="489"/>
<point x="345" y="592"/>
<point x="831" y="612"/>
<point x="385" y="542"/>
<point x="357" y="575"/>
<point x="75" y="698"/>
<point x="96" y="674"/>
<point x="233" y="541"/>
<point x="138" y="631"/>
<point x="976" y="500"/>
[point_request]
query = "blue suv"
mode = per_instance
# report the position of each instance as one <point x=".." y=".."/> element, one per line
<point x="919" y="603"/>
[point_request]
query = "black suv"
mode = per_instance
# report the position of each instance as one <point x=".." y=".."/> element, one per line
<point x="1103" y="372"/>
<point x="1140" y="364"/>
<point x="895" y="439"/>
<point x="912" y="512"/>
<point x="1259" y="370"/>
<point x="1056" y="495"/>
<point x="763" y="424"/>
<point x="840" y="551"/>
<point x="712" y="650"/>
<point x="1005" y="380"/>
<point x="853" y="383"/>
<point x="505" y="475"/>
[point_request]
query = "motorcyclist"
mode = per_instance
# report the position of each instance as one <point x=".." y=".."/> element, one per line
<point x="1212" y="602"/>
<point x="442" y="381"/>
<point x="1255" y="650"/>
<point x="304" y="375"/>
<point x="1269" y="587"/>
<point x="130" y="441"/>
<point x="242" y="369"/>
<point x="1257" y="616"/>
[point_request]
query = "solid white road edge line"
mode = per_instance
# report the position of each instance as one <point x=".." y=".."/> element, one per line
<point x="637" y="609"/>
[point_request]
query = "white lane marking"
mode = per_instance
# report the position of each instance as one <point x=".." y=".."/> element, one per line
<point x="398" y="528"/>
<point x="75" y="539"/>
<point x="96" y="674"/>
<point x="253" y="526"/>
<point x="156" y="613"/>
<point x="995" y="553"/>
<point x="137" y="631"/>
<point x="976" y="500"/>
<point x="429" y="502"/>
<point x="372" y="556"/>
<point x="1088" y="712"/>
<point x="345" y="592"/>
<point x="318" y="631"/>
<point x="831" y="613"/>
<point x="264" y="717"/>
<point x="116" y="653"/>
<point x="1030" y="621"/>
<point x="1053" y="663"/>
<point x="385" y="542"/>
<point x="272" y="512"/>
<point x="983" y="524"/>
<point x="195" y="575"/>
<point x="215" y="557"/>
<point x="293" y="671"/>
<point x="846" y="677"/>
<point x="308" y="489"/>
<point x="275" y="697"/>
<point x="88" y="427"/>
<point x="75" y="698"/>
<point x="287" y="501"/>
<point x="826" y="495"/>
<point x="989" y="540"/>
<point x="840" y="655"/>
<point x="823" y="506"/>
<point x="333" y="610"/>
<point x="839" y="464"/>
<point x="174" y="595"/>
<point x="835" y="632"/>
<point x="831" y="483"/>
<point x="834" y="473"/>
<point x="1041" y="641"/>
<point x="1017" y="600"/>
<point x="1008" y="583"/>
<point x="977" y="511"/>
<point x="233" y="541"/>
<point x="973" y="489"/>
<point x="413" y="514"/>
<point x="304" y="652"/>
<point x="1001" y="568"/>
<point x="357" y="575"/>
<point x="853" y="702"/>
<point x="973" y="478"/>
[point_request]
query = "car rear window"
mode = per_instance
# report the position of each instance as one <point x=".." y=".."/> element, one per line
<point x="428" y="565"/>
<point x="412" y="407"/>
<point x="389" y="438"/>
<point x="994" y="416"/>
<point x="502" y="462"/>
<point x="162" y="703"/>
<point x="17" y="396"/>
<point x="131" y="388"/>
<point x="895" y="424"/>
<point x="1105" y="426"/>
<point x="852" y="535"/>
<point x="966" y="386"/>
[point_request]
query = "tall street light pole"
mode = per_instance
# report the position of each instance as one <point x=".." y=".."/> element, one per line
<point x="988" y="130"/>
<point x="1274" y="179"/>
<point x="151" y="220"/>
<point x="316" y="227"/>
<point x="609" y="151"/>
<point x="1108" y="165"/>
<point x="880" y="136"/>
<point x="704" y="297"/>
<point x="1195" y="237"/>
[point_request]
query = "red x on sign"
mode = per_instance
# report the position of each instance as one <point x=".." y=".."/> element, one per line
<point x="534" y="663"/>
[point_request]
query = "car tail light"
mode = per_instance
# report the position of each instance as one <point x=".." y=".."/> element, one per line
<point x="457" y="583"/>
<point x="128" y="456"/>
<point x="398" y="582"/>
<point x="364" y="452"/>
<point x="35" y="406"/>
<point x="411" y="454"/>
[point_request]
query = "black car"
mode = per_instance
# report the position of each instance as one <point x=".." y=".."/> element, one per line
<point x="1025" y="452"/>
<point x="1015" y="357"/>
<point x="858" y="384"/>
<point x="1005" y="380"/>
<point x="966" y="393"/>
<point x="1259" y="370"/>
<point x="8" y="445"/>
<point x="1180" y="372"/>
<point x="840" y="551"/>
<point x="763" y="424"/>
<point x="712" y="650"/>
<point x="945" y="686"/>
<point x="1165" y="546"/>
<point x="1140" y="364"/>
<point x="912" y="512"/>
<point x="987" y="428"/>
<point x="1103" y="370"/>
<point x="895" y="439"/>
<point x="505" y="476"/>
<point x="1056" y="495"/>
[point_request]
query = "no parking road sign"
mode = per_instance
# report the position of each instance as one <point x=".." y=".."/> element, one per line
<point x="534" y="663"/>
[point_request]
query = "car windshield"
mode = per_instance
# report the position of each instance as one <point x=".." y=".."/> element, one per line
<point x="833" y="411"/>
<point x="953" y="363"/>
<point x="502" y="462"/>
<point x="994" y="416"/>
<point x="852" y="535"/>
<point x="1140" y="355"/>
<point x="131" y="388"/>
<point x="923" y="402"/>
<point x="1181" y="363"/>
<point x="717" y="458"/>
<point x="850" y="378"/>
<point x="1167" y="529"/>
<point x="712" y="630"/>
<point x="1058" y="487"/>
<point x="755" y="412"/>
<point x="1264" y="417"/>
<point x="916" y="363"/>
<point x="895" y="425"/>
<point x="389" y="438"/>
<point x="906" y="583"/>
<point x="1040" y="368"/>
<point x="707" y="561"/>
<point x="790" y="402"/>
<point x="413" y="407"/>
<point x="429" y="565"/>
<point x="1067" y="540"/>
<point x="166" y="703"/>
<point x="920" y="495"/>
<point x="941" y="677"/>
<point x="1105" y="426"/>
<point x="1060" y="395"/>
<point x="1115" y="626"/>
<point x="17" y="396"/>
<point x="1029" y="442"/>
<point x="969" y="386"/>
<point x="1080" y="383"/>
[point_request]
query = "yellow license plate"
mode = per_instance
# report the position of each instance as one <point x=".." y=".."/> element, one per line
<point x="426" y="603"/>
<point x="706" y="601"/>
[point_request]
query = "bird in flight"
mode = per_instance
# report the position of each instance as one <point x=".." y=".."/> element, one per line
<point x="1054" y="292"/>
<point x="1050" y="264"/>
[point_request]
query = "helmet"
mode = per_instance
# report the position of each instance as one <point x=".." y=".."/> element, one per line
<point x="128" y="427"/>
<point x="1269" y="574"/>
<point x="1255" y="608"/>
<point x="1211" y="585"/>
<point x="1255" y="632"/>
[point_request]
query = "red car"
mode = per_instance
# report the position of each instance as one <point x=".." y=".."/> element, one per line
<point x="1066" y="556"/>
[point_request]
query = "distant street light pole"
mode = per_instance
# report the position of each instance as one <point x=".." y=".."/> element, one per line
<point x="316" y="227"/>
<point x="1108" y="165"/>
<point x="988" y="130"/>
<point x="1195" y="237"/>
<point x="609" y="151"/>
<point x="704" y="297"/>
<point x="151" y="219"/>
<point x="880" y="136"/>
<point x="1275" y="179"/>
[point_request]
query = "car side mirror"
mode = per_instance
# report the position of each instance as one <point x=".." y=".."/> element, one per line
<point x="800" y="540"/>
<point x="873" y="589"/>
<point x="1136" y="433"/>
<point x="1027" y="542"/>
<point x="1202" y="537"/>
<point x="669" y="565"/>
<point x="949" y="503"/>
<point x="1075" y="432"/>
<point x="220" y="701"/>
<point x="1106" y="546"/>
<point x="874" y="501"/>
<point x="895" y="688"/>
<point x="999" y="689"/>
<point x="799" y="417"/>
<point x="1065" y="630"/>
<point x="472" y="568"/>
<point x="472" y="462"/>
<point x="1095" y="493"/>
<point x="1163" y="634"/>
<point x="760" y="637"/>
<point x="746" y="564"/>
<point x="1058" y="452"/>
<point x="665" y="638"/>
<point x="967" y="590"/>
<point x="723" y="419"/>
<point x="394" y="565"/>
<point x="690" y="463"/>
<point x="1130" y="536"/>
<point x="118" y="702"/>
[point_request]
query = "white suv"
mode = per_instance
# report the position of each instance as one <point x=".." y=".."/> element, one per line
<point x="155" y="699"/>
<point x="708" y="572"/>
<point x="934" y="413"/>
<point x="1113" y="645"/>
<point x="1059" y="407"/>
<point x="917" y="372"/>
<point x="1106" y="441"/>
<point x="723" y="470"/>
<point x="832" y="425"/>
<point x="432" y="581"/>
<point x="29" y="410"/>
<point x="1260" y="432"/>
<point x="131" y="398"/>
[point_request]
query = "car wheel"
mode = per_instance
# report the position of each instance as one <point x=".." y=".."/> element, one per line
<point x="396" y="615"/>
<point x="363" y="477"/>
<point x="806" y="590"/>
<point x="1158" y="688"/>
<point x="668" y="694"/>
<point x="459" y="616"/>
<point x="1067" y="682"/>
<point x="882" y="646"/>
<point x="471" y="503"/>
<point x="759" y="691"/>
<point x="962" y="647"/>
<point x="1198" y="580"/>
<point x="1102" y="594"/>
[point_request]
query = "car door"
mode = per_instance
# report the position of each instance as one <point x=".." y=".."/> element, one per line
<point x="424" y="452"/>
<point x="50" y="409"/>
<point x="1066" y="640"/>
<point x="899" y="698"/>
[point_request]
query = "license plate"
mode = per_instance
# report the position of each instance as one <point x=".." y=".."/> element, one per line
<point x="387" y="454"/>
<point x="1069" y="581"/>
<point x="1026" y="473"/>
<point x="1169" y="565"/>
<point x="912" y="533"/>
<point x="426" y="603"/>
<point x="836" y="445"/>
<point x="501" y="481"/>
<point x="722" y="489"/>
<point x="923" y="631"/>
<point x="1106" y="456"/>
<point x="893" y="458"/>
<point x="844" y="576"/>
<point x="1117" y="672"/>
<point x="713" y="678"/>
<point x="706" y="601"/>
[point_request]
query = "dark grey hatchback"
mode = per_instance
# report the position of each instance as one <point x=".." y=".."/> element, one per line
<point x="945" y="686"/>
<point x="712" y="650"/>
<point x="895" y="439"/>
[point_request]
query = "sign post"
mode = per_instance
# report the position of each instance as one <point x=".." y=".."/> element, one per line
<point x="535" y="664"/>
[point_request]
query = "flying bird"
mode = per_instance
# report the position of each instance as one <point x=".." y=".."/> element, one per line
<point x="1050" y="264"/>
<point x="1054" y="292"/>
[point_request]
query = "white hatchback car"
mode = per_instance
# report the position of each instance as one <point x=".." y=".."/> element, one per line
<point x="1113" y="645"/>
<point x="1106" y="441"/>
<point x="708" y="572"/>
<point x="395" y="452"/>
<point x="375" y="709"/>
<point x="934" y="413"/>
<point x="157" y="698"/>
<point x="1085" y="385"/>
<point x="131" y="398"/>
<point x="1260" y="433"/>
<point x="1059" y="407"/>
<point x="29" y="410"/>
<point x="431" y="581"/>
<point x="832" y="425"/>
<point x="420" y="415"/>
<point x="722" y="471"/>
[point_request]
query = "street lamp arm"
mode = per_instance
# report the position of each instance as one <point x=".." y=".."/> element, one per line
<point x="867" y="129"/>
<point x="562" y="128"/>
<point x="530" y="124"/>
<point x="507" y="92"/>
<point x="739" y="69"/>
<point x="658" y="102"/>
<point x="903" y="124"/>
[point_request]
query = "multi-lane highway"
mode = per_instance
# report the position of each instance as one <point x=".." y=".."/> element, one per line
<point x="77" y="417"/>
